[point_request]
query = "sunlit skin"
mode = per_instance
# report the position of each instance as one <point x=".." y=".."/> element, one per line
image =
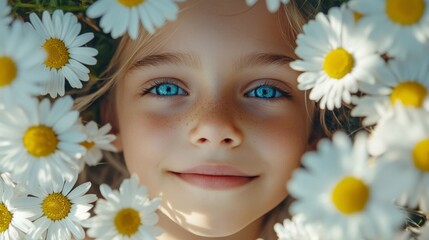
<point x="215" y="119"/>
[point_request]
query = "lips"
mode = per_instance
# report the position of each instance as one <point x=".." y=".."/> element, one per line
<point x="214" y="177"/>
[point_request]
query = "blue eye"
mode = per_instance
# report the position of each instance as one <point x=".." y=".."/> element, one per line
<point x="167" y="89"/>
<point x="266" y="91"/>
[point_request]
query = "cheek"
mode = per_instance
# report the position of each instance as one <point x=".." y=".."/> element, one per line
<point x="142" y="133"/>
<point x="284" y="137"/>
<point x="281" y="144"/>
<point x="146" y="140"/>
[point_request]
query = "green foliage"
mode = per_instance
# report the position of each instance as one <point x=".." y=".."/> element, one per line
<point x="20" y="8"/>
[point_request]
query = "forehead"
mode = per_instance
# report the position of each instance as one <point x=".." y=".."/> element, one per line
<point x="222" y="28"/>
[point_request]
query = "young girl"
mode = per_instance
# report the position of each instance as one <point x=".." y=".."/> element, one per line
<point x="207" y="113"/>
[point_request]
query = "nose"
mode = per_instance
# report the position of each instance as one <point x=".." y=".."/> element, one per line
<point x="215" y="128"/>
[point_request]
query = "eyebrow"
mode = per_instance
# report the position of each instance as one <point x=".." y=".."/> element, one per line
<point x="168" y="58"/>
<point x="188" y="59"/>
<point x="262" y="59"/>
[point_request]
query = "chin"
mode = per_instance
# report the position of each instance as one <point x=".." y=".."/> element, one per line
<point x="212" y="232"/>
<point x="211" y="223"/>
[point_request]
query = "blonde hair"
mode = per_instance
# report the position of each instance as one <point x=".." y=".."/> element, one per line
<point x="291" y="17"/>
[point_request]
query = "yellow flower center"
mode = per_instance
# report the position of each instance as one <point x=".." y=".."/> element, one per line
<point x="350" y="195"/>
<point x="40" y="141"/>
<point x="7" y="71"/>
<point x="58" y="54"/>
<point x="87" y="145"/>
<point x="338" y="63"/>
<point x="130" y="3"/>
<point x="409" y="93"/>
<point x="5" y="218"/>
<point x="421" y="155"/>
<point x="405" y="12"/>
<point x="56" y="206"/>
<point x="357" y="16"/>
<point x="127" y="221"/>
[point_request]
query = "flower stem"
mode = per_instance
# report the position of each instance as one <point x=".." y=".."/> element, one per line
<point x="26" y="5"/>
<point x="39" y="7"/>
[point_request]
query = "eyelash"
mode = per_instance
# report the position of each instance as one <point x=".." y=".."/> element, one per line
<point x="284" y="94"/>
<point x="160" y="82"/>
<point x="157" y="83"/>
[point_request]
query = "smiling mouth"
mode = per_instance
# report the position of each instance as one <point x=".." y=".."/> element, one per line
<point x="214" y="178"/>
<point x="214" y="182"/>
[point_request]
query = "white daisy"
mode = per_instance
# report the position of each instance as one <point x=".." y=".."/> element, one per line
<point x="401" y="81"/>
<point x="21" y="75"/>
<point x="14" y="221"/>
<point x="125" y="214"/>
<point x="59" y="36"/>
<point x="398" y="26"/>
<point x="424" y="232"/>
<point x="5" y="19"/>
<point x="272" y="5"/>
<point x="58" y="210"/>
<point x="335" y="57"/>
<point x="39" y="142"/>
<point x="401" y="143"/>
<point x="339" y="190"/>
<point x="403" y="235"/>
<point x="19" y="190"/>
<point x="295" y="230"/>
<point x="5" y="178"/>
<point x="96" y="140"/>
<point x="119" y="16"/>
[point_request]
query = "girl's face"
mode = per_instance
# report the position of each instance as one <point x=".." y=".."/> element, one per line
<point x="213" y="122"/>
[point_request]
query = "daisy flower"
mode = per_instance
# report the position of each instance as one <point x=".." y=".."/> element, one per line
<point x="424" y="232"/>
<point x="19" y="190"/>
<point x="119" y="16"/>
<point x="295" y="230"/>
<point x="398" y="26"/>
<point x="58" y="209"/>
<point x="96" y="140"/>
<point x="401" y="143"/>
<point x="339" y="190"/>
<point x="21" y="75"/>
<point x="5" y="19"/>
<point x="125" y="214"/>
<point x="272" y="5"/>
<point x="403" y="81"/>
<point x="59" y="37"/>
<point x="38" y="142"/>
<point x="403" y="235"/>
<point x="5" y="178"/>
<point x="335" y="57"/>
<point x="14" y="221"/>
